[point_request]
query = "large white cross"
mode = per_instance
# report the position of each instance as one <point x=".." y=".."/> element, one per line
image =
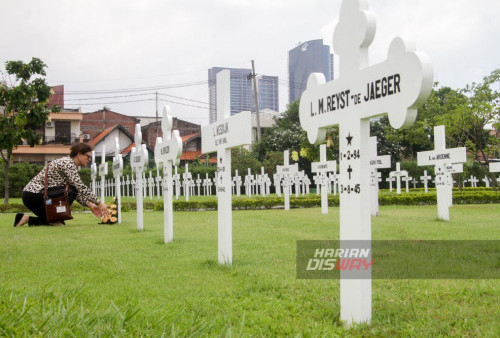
<point x="323" y="167"/>
<point x="376" y="162"/>
<point x="228" y="132"/>
<point x="168" y="151"/>
<point x="441" y="157"/>
<point x="286" y="173"/>
<point x="138" y="162"/>
<point x="117" y="173"/>
<point x="396" y="87"/>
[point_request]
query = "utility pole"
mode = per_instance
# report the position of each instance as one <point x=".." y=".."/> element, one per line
<point x="156" y="95"/>
<point x="256" y="99"/>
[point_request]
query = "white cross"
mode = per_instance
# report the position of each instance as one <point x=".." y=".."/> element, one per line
<point x="473" y="181"/>
<point x="397" y="87"/>
<point x="286" y="172"/>
<point x="277" y="185"/>
<point x="228" y="132"/>
<point x="237" y="182"/>
<point x="138" y="162"/>
<point x="198" y="183"/>
<point x="407" y="182"/>
<point x="249" y="182"/>
<point x="376" y="162"/>
<point x="103" y="171"/>
<point x="425" y="179"/>
<point x="117" y="172"/>
<point x="168" y="151"/>
<point x="93" y="173"/>
<point x="323" y="167"/>
<point x="442" y="159"/>
<point x="390" y="180"/>
<point x="186" y="180"/>
<point x="398" y="174"/>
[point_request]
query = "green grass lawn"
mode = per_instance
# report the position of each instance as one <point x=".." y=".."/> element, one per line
<point x="90" y="279"/>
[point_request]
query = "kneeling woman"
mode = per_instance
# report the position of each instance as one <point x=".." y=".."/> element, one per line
<point x="61" y="171"/>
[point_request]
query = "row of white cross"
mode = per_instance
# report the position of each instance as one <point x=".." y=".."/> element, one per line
<point x="396" y="87"/>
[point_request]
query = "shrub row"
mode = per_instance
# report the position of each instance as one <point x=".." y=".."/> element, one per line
<point x="311" y="201"/>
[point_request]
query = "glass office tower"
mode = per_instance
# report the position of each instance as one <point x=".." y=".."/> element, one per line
<point x="308" y="57"/>
<point x="242" y="95"/>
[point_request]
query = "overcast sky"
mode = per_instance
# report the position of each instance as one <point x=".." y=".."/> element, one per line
<point x="94" y="45"/>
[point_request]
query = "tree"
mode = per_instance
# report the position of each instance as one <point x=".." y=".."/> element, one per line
<point x="474" y="120"/>
<point x="23" y="108"/>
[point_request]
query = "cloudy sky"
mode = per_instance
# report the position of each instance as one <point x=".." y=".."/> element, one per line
<point x="97" y="47"/>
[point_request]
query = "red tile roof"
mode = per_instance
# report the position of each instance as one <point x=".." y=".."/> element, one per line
<point x="187" y="138"/>
<point x="102" y="135"/>
<point x="193" y="155"/>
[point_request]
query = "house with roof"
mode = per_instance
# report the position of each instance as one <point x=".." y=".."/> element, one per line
<point x="58" y="134"/>
<point x="190" y="134"/>
<point x="95" y="123"/>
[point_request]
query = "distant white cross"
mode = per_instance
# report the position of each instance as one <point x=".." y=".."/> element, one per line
<point x="138" y="162"/>
<point x="425" y="179"/>
<point x="398" y="174"/>
<point x="441" y="157"/>
<point x="103" y="171"/>
<point x="286" y="173"/>
<point x="376" y="162"/>
<point x="117" y="172"/>
<point x="323" y="167"/>
<point x="93" y="173"/>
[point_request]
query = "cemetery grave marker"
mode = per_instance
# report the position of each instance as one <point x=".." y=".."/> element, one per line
<point x="117" y="172"/>
<point x="397" y="87"/>
<point x="322" y="168"/>
<point x="397" y="175"/>
<point x="440" y="157"/>
<point x="287" y="171"/>
<point x="376" y="162"/>
<point x="138" y="162"/>
<point x="226" y="133"/>
<point x="168" y="151"/>
<point x="103" y="171"/>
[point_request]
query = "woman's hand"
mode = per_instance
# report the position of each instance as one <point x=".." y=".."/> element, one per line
<point x="100" y="210"/>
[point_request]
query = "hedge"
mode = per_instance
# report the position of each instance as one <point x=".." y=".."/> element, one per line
<point x="479" y="196"/>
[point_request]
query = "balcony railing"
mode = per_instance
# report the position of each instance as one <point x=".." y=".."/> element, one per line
<point x="66" y="140"/>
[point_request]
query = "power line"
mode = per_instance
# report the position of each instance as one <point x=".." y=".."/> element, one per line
<point x="140" y="89"/>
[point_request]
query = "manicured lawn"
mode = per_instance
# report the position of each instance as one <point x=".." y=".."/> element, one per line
<point x="90" y="279"/>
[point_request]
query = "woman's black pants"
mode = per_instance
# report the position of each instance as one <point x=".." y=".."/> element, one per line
<point x="35" y="202"/>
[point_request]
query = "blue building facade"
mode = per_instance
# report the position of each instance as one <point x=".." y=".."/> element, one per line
<point x="242" y="94"/>
<point x="308" y="57"/>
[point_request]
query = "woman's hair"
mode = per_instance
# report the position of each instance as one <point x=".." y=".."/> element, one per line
<point x="79" y="148"/>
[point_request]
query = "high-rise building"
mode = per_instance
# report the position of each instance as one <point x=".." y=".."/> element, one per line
<point x="308" y="57"/>
<point x="242" y="94"/>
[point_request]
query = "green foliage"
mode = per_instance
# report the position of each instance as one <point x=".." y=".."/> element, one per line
<point x="23" y="97"/>
<point x="286" y="134"/>
<point x="19" y="175"/>
<point x="242" y="159"/>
